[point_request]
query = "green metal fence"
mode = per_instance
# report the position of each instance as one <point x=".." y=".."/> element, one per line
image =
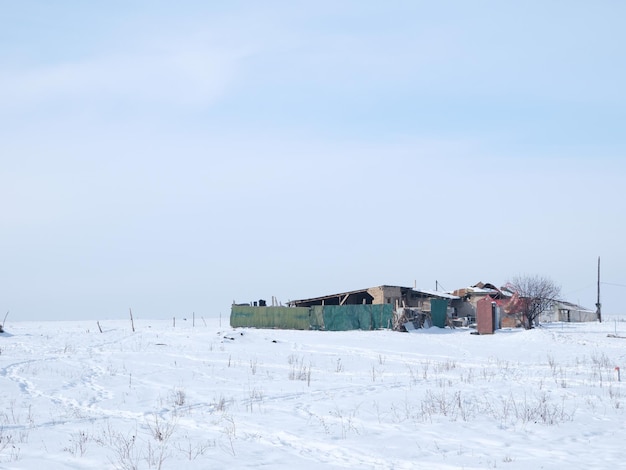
<point x="439" y="312"/>
<point x="319" y="317"/>
<point x="288" y="318"/>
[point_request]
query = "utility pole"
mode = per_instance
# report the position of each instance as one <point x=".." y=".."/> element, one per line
<point x="598" y="304"/>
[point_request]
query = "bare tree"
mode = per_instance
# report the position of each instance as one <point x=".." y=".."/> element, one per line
<point x="533" y="295"/>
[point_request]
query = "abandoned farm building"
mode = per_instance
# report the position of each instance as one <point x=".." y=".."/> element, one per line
<point x="401" y="308"/>
<point x="472" y="296"/>
<point x="394" y="295"/>
<point x="568" y="312"/>
<point x="365" y="309"/>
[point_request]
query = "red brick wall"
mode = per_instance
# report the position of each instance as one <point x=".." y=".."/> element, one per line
<point x="484" y="318"/>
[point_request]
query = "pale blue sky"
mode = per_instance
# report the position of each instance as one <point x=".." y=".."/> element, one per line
<point x="173" y="158"/>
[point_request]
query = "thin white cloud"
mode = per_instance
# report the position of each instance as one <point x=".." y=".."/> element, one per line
<point x="186" y="75"/>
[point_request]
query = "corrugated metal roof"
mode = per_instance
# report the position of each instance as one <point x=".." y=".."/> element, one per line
<point x="485" y="291"/>
<point x="431" y="293"/>
<point x="572" y="306"/>
<point x="435" y="293"/>
<point x="329" y="296"/>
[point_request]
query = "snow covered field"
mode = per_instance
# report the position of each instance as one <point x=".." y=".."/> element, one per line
<point x="210" y="397"/>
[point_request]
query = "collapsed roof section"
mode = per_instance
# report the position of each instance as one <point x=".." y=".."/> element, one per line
<point x="396" y="295"/>
<point x="483" y="289"/>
